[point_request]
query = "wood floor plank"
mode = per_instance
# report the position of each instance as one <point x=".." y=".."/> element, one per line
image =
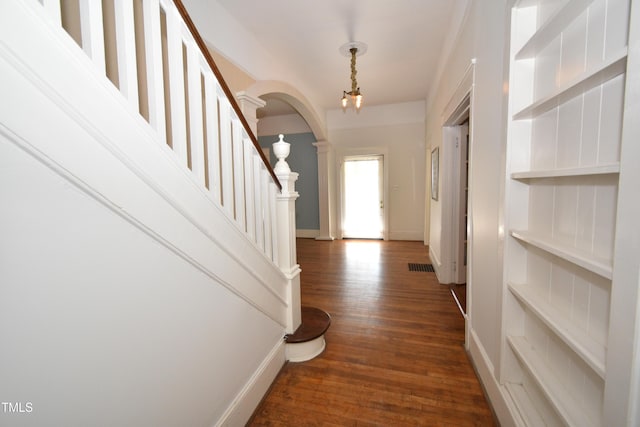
<point x="394" y="354"/>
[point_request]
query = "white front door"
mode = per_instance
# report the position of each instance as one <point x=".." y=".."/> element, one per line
<point x="363" y="197"/>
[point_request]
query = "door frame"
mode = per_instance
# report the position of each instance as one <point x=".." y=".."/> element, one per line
<point x="451" y="158"/>
<point x="345" y="153"/>
<point x="459" y="109"/>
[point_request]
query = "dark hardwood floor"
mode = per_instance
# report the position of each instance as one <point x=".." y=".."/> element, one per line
<point x="395" y="354"/>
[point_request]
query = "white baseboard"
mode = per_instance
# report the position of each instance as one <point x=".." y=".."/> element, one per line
<point x="246" y="402"/>
<point x="497" y="394"/>
<point x="435" y="260"/>
<point x="307" y="234"/>
<point x="406" y="235"/>
<point x="437" y="265"/>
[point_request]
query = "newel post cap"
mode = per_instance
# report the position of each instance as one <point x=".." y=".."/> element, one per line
<point x="281" y="150"/>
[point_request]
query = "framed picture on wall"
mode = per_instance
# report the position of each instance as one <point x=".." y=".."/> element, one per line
<point x="435" y="172"/>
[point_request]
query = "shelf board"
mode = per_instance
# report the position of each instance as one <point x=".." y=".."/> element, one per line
<point x="523" y="403"/>
<point x="612" y="168"/>
<point x="574" y="255"/>
<point x="591" y="352"/>
<point x="558" y="396"/>
<point x="582" y="83"/>
<point x="552" y="28"/>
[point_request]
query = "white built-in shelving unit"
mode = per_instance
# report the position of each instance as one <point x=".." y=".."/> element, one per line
<point x="566" y="114"/>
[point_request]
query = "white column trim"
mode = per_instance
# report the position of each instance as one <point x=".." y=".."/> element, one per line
<point x="249" y="105"/>
<point x="325" y="151"/>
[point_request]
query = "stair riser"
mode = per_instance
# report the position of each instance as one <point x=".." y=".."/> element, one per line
<point x="301" y="352"/>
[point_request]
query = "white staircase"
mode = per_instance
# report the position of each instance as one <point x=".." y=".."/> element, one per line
<point x="142" y="231"/>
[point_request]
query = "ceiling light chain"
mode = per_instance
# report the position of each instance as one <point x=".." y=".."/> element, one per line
<point x="354" y="83"/>
<point x="355" y="94"/>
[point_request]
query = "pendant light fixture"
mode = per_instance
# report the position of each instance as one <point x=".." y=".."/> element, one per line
<point x="353" y="49"/>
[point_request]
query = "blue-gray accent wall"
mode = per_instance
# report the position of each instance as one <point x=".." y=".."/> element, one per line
<point x="304" y="160"/>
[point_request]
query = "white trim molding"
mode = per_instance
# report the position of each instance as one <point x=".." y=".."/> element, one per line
<point x="246" y="402"/>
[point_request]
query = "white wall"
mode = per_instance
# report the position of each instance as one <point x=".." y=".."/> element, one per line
<point x="397" y="131"/>
<point x="483" y="36"/>
<point x="286" y="124"/>
<point x="101" y="323"/>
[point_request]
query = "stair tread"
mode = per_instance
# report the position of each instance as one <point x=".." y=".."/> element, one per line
<point x="315" y="323"/>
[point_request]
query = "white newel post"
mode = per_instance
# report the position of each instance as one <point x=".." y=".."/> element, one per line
<point x="286" y="220"/>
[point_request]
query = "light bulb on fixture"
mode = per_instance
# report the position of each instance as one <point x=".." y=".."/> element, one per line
<point x="358" y="101"/>
<point x="353" y="49"/>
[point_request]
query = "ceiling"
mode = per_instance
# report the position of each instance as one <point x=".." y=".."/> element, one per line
<point x="404" y="41"/>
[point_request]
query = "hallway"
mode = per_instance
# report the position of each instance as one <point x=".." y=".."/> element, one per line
<point x="394" y="353"/>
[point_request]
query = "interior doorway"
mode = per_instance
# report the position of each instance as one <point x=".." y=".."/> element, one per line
<point x="458" y="225"/>
<point x="461" y="216"/>
<point x="461" y="203"/>
<point x="363" y="201"/>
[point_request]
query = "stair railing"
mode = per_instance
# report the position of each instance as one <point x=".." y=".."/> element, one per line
<point x="152" y="52"/>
